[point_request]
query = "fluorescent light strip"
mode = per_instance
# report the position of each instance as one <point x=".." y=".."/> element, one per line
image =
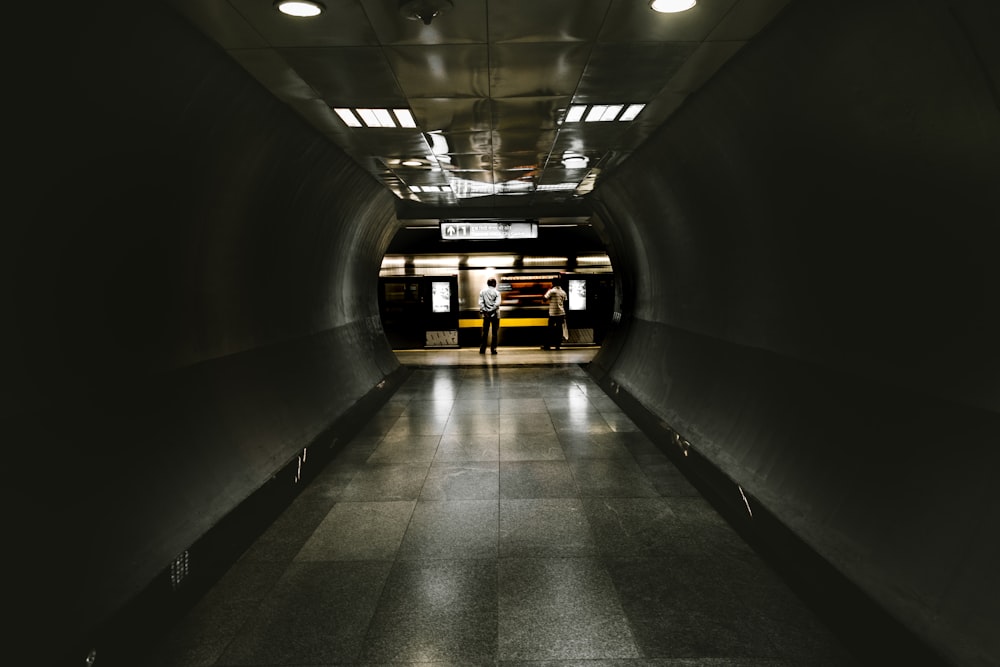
<point x="611" y="112"/>
<point x="346" y="115"/>
<point x="368" y="117"/>
<point x="404" y="117"/>
<point x="377" y="117"/>
<point x="596" y="113"/>
<point x="600" y="113"/>
<point x="554" y="187"/>
<point x="631" y="112"/>
<point x="575" y="113"/>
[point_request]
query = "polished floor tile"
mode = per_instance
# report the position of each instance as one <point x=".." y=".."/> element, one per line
<point x="499" y="513"/>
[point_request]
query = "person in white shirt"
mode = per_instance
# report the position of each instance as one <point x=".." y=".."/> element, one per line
<point x="489" y="307"/>
<point x="556" y="299"/>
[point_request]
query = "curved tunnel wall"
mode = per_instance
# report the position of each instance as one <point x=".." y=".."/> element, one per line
<point x="193" y="279"/>
<point x="808" y="260"/>
<point x="805" y="261"/>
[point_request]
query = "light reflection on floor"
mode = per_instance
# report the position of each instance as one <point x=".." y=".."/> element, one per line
<point x="506" y="356"/>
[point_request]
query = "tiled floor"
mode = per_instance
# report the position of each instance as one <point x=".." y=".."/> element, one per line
<point x="499" y="514"/>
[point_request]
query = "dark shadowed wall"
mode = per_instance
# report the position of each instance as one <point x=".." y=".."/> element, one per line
<point x="810" y="278"/>
<point x="190" y="279"/>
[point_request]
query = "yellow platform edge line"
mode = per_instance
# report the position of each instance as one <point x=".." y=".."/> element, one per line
<point x="506" y="322"/>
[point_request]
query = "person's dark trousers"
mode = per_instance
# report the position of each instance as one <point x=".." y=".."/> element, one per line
<point x="555" y="332"/>
<point x="490" y="322"/>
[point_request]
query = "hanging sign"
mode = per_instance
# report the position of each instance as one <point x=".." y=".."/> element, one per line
<point x="487" y="230"/>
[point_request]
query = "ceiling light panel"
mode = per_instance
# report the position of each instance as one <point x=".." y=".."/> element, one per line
<point x="602" y="113"/>
<point x="299" y="8"/>
<point x="349" y="117"/>
<point x="345" y="76"/>
<point x="507" y="85"/>
<point x="631" y="111"/>
<point x="671" y="6"/>
<point x="384" y="118"/>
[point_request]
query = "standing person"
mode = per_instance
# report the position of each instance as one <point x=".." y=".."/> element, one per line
<point x="489" y="306"/>
<point x="556" y="298"/>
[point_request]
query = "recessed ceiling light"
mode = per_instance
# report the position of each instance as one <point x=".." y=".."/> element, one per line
<point x="299" y="7"/>
<point x="571" y="160"/>
<point x="671" y="6"/>
<point x="411" y="163"/>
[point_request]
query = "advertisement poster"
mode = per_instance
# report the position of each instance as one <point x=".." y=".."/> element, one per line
<point x="440" y="297"/>
<point x="578" y="294"/>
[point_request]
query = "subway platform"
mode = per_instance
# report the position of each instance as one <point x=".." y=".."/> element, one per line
<point x="500" y="510"/>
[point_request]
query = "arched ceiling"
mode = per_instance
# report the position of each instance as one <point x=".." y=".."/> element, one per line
<point x="489" y="84"/>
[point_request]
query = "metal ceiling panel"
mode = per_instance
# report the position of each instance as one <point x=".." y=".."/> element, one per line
<point x="521" y="162"/>
<point x="479" y="175"/>
<point x="469" y="162"/>
<point x="343" y="24"/>
<point x="633" y="21"/>
<point x="489" y="83"/>
<point x="421" y="177"/>
<point x="394" y="142"/>
<point x="469" y="143"/>
<point x="535" y="70"/>
<point x="623" y="73"/>
<point x="318" y="114"/>
<point x="583" y="137"/>
<point x="455" y="113"/>
<point x="546" y="20"/>
<point x="523" y="141"/>
<point x="529" y="112"/>
<point x="348" y="77"/>
<point x="556" y="176"/>
<point x="441" y="70"/>
<point x="274" y="73"/>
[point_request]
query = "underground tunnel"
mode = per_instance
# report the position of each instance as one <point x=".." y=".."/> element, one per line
<point x="804" y="257"/>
